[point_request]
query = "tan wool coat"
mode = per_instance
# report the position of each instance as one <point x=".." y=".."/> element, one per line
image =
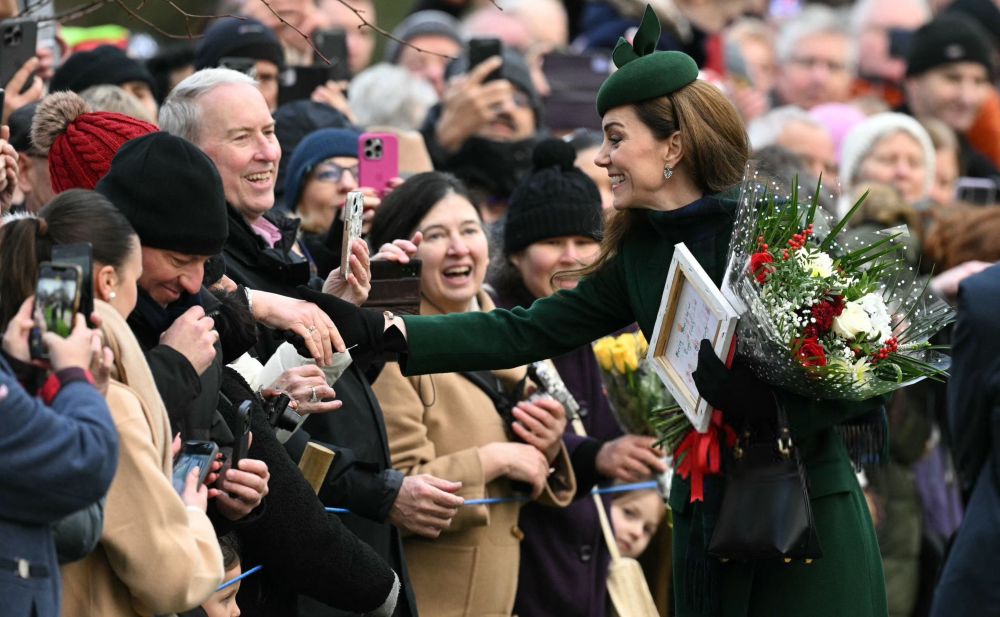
<point x="436" y="425"/>
<point x="156" y="556"/>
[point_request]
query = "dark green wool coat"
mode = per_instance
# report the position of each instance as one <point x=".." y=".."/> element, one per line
<point x="848" y="580"/>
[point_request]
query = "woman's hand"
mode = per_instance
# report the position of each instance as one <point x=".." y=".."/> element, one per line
<point x="74" y="351"/>
<point x="8" y="170"/>
<point x="195" y="494"/>
<point x="359" y="278"/>
<point x="306" y="385"/>
<point x="946" y="284"/>
<point x="14" y="99"/>
<point x="15" y="338"/>
<point x="630" y="458"/>
<point x="401" y="251"/>
<point x="541" y="424"/>
<point x="241" y="490"/>
<point x="517" y="461"/>
<point x="303" y="318"/>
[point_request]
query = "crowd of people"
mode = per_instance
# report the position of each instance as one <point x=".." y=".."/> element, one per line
<point x="210" y="180"/>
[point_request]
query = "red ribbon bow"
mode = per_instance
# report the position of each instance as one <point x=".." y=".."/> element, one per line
<point x="703" y="454"/>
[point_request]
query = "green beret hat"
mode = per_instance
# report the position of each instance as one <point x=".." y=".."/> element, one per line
<point x="644" y="73"/>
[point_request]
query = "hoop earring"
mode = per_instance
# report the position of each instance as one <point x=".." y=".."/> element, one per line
<point x="668" y="171"/>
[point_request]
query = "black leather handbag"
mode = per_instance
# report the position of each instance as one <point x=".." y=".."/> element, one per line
<point x="765" y="511"/>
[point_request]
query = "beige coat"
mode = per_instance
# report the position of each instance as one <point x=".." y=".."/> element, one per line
<point x="436" y="425"/>
<point x="155" y="556"/>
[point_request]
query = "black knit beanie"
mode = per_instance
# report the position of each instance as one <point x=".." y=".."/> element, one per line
<point x="103" y="65"/>
<point x="238" y="38"/>
<point x="171" y="192"/>
<point x="555" y="200"/>
<point x="951" y="37"/>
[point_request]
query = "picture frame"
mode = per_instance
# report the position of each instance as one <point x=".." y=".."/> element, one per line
<point x="691" y="309"/>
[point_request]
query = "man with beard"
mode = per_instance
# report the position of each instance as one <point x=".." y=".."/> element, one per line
<point x="484" y="130"/>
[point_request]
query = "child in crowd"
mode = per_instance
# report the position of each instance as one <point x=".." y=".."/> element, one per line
<point x="223" y="603"/>
<point x="635" y="517"/>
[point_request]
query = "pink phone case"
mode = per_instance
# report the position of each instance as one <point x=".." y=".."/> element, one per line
<point x="378" y="160"/>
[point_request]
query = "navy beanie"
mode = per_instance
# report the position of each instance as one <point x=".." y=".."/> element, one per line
<point x="315" y="148"/>
<point x="555" y="200"/>
<point x="238" y="38"/>
<point x="171" y="192"/>
<point x="103" y="65"/>
<point x="950" y="37"/>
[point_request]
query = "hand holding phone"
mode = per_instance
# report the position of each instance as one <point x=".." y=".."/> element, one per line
<point x="193" y="454"/>
<point x="57" y="300"/>
<point x="482" y="48"/>
<point x="378" y="161"/>
<point x="242" y="444"/>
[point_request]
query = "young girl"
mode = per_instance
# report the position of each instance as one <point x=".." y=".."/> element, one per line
<point x="635" y="517"/>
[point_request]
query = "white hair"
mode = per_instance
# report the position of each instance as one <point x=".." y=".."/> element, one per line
<point x="389" y="95"/>
<point x="180" y="113"/>
<point x="815" y="19"/>
<point x="862" y="139"/>
<point x="766" y="130"/>
<point x="862" y="9"/>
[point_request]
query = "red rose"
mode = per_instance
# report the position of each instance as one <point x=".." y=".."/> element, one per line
<point x="811" y="353"/>
<point x="838" y="305"/>
<point x="810" y="331"/>
<point x="759" y="266"/>
<point x="824" y="313"/>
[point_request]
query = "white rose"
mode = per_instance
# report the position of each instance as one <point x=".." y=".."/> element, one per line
<point x="877" y="311"/>
<point x="852" y="322"/>
<point x="820" y="264"/>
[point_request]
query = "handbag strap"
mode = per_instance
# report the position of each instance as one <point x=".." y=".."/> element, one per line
<point x="784" y="438"/>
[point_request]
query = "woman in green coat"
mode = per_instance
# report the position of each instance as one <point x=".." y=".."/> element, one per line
<point x="672" y="144"/>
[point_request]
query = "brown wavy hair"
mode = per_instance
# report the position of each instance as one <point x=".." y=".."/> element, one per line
<point x="962" y="233"/>
<point x="715" y="143"/>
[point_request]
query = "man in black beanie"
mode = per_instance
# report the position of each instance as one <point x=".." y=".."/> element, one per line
<point x="949" y="75"/>
<point x="106" y="65"/>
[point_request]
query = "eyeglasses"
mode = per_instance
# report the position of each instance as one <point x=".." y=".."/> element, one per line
<point x="332" y="172"/>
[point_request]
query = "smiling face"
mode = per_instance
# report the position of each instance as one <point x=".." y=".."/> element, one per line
<point x="633" y="158"/>
<point x="455" y="254"/>
<point x="540" y="260"/>
<point x="897" y="160"/>
<point x="166" y="275"/>
<point x="952" y="93"/>
<point x="237" y="133"/>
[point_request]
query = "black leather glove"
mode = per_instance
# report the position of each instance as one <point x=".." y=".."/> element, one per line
<point x="744" y="399"/>
<point x="358" y="326"/>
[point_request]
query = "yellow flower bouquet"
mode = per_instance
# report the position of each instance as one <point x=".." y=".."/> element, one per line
<point x="638" y="398"/>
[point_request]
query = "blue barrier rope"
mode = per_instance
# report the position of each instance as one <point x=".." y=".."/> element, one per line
<point x="239" y="578"/>
<point x="620" y="488"/>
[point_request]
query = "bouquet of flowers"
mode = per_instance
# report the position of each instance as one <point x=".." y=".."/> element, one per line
<point x="639" y="400"/>
<point x="825" y="318"/>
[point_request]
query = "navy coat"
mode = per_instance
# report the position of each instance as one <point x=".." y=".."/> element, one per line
<point x="968" y="584"/>
<point x="54" y="461"/>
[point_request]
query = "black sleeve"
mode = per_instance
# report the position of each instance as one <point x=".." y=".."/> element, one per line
<point x="176" y="380"/>
<point x="304" y="549"/>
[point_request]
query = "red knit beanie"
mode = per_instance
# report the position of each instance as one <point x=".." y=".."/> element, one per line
<point x="80" y="143"/>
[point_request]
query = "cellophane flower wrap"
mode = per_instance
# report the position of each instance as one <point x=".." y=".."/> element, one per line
<point x="824" y="313"/>
<point x="639" y="400"/>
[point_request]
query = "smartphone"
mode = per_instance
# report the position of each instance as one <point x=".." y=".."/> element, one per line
<point x="395" y="287"/>
<point x="18" y="39"/>
<point x="378" y="160"/>
<point x="332" y="45"/>
<point x="482" y="48"/>
<point x="193" y="454"/>
<point x="57" y="300"/>
<point x="354" y="209"/>
<point x="298" y="82"/>
<point x="247" y="66"/>
<point x="977" y="191"/>
<point x="79" y="254"/>
<point x="242" y="443"/>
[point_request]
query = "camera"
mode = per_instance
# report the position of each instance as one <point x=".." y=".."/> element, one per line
<point x="545" y="375"/>
<point x="279" y="416"/>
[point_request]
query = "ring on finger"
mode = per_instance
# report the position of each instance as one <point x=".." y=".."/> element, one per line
<point x="313" y="398"/>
